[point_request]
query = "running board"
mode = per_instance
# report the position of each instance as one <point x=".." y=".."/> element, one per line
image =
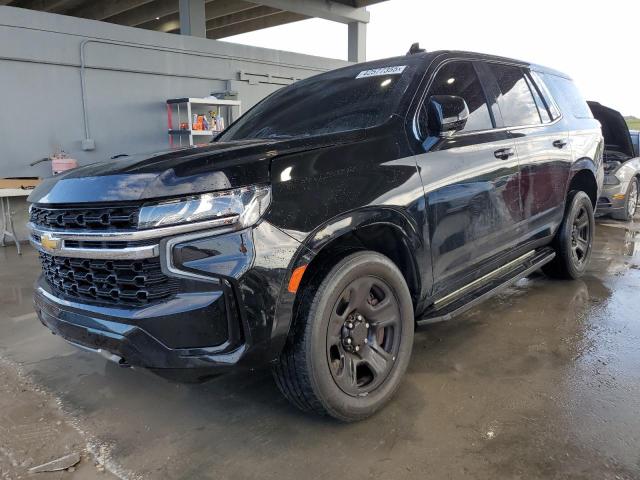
<point x="478" y="291"/>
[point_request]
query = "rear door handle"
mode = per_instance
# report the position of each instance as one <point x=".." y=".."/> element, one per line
<point x="504" y="153"/>
<point x="560" y="143"/>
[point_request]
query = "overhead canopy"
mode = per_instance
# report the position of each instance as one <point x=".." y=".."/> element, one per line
<point x="223" y="18"/>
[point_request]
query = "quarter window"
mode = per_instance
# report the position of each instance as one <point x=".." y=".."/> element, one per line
<point x="566" y="91"/>
<point x="516" y="101"/>
<point x="460" y="79"/>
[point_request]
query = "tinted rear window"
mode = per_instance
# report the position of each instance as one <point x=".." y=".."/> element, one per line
<point x="540" y="103"/>
<point x="516" y="101"/>
<point x="546" y="95"/>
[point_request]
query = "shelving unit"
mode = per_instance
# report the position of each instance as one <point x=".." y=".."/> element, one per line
<point x="181" y="111"/>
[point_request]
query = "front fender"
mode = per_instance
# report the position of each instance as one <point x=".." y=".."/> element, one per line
<point x="628" y="170"/>
<point x="402" y="223"/>
<point x="350" y="221"/>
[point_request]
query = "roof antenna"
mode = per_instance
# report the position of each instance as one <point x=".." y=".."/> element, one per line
<point x="415" y="48"/>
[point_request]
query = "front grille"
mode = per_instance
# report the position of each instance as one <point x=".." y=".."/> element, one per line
<point x="111" y="282"/>
<point x="93" y="218"/>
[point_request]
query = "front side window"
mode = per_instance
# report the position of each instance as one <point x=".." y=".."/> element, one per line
<point x="516" y="101"/>
<point x="460" y="79"/>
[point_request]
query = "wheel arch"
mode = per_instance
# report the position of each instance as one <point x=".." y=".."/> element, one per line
<point x="584" y="177"/>
<point x="385" y="230"/>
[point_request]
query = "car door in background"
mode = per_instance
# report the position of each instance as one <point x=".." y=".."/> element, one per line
<point x="542" y="145"/>
<point x="470" y="180"/>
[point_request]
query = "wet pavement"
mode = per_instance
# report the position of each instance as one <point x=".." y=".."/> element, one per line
<point x="541" y="382"/>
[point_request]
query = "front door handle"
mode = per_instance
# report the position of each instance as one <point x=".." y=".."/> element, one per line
<point x="560" y="143"/>
<point x="504" y="153"/>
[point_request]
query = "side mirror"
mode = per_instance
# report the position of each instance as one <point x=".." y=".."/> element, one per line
<point x="447" y="114"/>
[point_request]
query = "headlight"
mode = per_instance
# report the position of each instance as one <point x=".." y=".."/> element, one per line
<point x="242" y="206"/>
<point x="611" y="180"/>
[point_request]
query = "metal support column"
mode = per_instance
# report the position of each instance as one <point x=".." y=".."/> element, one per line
<point x="193" y="20"/>
<point x="357" y="42"/>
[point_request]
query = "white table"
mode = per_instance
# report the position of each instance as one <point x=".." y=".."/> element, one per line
<point x="7" y="221"/>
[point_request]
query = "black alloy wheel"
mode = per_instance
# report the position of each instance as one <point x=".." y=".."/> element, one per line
<point x="352" y="339"/>
<point x="580" y="236"/>
<point x="363" y="336"/>
<point x="573" y="242"/>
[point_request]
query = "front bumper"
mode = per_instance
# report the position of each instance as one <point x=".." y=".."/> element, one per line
<point x="127" y="334"/>
<point x="612" y="199"/>
<point x="223" y="315"/>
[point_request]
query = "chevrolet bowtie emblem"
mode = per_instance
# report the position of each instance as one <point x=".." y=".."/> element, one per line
<point x="49" y="243"/>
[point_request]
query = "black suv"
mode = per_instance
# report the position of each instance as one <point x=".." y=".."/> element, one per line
<point x="324" y="225"/>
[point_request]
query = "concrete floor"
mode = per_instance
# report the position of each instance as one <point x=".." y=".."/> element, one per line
<point x="542" y="382"/>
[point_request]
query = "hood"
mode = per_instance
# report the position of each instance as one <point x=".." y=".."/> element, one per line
<point x="617" y="139"/>
<point x="217" y="166"/>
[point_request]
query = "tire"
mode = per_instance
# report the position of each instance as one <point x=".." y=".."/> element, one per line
<point x="352" y="340"/>
<point x="631" y="202"/>
<point x="574" y="240"/>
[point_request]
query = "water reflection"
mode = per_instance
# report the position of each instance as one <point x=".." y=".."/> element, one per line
<point x="616" y="246"/>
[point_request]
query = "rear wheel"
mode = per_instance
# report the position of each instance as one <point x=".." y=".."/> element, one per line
<point x="352" y="340"/>
<point x="631" y="202"/>
<point x="574" y="240"/>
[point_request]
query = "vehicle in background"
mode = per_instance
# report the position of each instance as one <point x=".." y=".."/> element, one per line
<point x="325" y="224"/>
<point x="619" y="197"/>
<point x="635" y="139"/>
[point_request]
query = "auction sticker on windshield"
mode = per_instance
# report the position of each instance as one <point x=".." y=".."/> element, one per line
<point x="378" y="72"/>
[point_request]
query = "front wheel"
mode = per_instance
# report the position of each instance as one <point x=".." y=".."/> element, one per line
<point x="574" y="241"/>
<point x="352" y="340"/>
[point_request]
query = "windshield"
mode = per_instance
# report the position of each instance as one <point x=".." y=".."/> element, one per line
<point x="351" y="98"/>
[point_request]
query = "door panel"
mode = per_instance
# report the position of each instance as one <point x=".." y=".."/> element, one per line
<point x="542" y="145"/>
<point x="471" y="182"/>
<point x="473" y="201"/>
<point x="544" y="170"/>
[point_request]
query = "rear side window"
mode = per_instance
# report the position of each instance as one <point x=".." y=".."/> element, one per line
<point x="460" y="79"/>
<point x="517" y="105"/>
<point x="546" y="96"/>
<point x="537" y="97"/>
<point x="566" y="92"/>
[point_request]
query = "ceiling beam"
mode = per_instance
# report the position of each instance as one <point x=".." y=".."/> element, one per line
<point x="256" y="24"/>
<point x="102" y="9"/>
<point x="241" y="17"/>
<point x="145" y="13"/>
<point x="41" y="5"/>
<point x="214" y="9"/>
<point x="168" y="26"/>
<point x="359" y="3"/>
<point x="336" y="12"/>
